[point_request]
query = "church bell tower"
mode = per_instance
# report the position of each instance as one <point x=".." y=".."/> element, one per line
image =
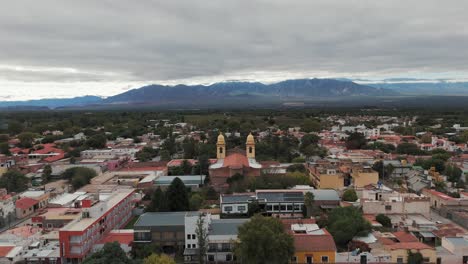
<point x="220" y="147"/>
<point x="250" y="146"/>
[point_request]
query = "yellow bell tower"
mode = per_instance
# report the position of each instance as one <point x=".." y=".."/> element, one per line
<point x="250" y="146"/>
<point x="220" y="147"/>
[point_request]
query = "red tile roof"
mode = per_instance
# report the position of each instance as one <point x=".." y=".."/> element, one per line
<point x="439" y="194"/>
<point x="313" y="243"/>
<point x="4" y="250"/>
<point x="236" y="160"/>
<point x="25" y="203"/>
<point x="403" y="236"/>
<point x="409" y="245"/>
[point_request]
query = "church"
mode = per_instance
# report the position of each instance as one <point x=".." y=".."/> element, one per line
<point x="233" y="161"/>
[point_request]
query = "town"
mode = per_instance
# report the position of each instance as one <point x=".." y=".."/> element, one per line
<point x="258" y="186"/>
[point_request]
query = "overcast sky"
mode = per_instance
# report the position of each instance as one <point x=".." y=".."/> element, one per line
<point x="71" y="48"/>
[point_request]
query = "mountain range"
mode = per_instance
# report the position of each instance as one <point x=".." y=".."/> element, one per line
<point x="223" y="93"/>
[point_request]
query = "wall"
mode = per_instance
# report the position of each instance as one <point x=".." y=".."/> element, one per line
<point x="301" y="257"/>
<point x="427" y="253"/>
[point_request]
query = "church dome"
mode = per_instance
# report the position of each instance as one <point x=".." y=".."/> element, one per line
<point x="250" y="139"/>
<point x="220" y="139"/>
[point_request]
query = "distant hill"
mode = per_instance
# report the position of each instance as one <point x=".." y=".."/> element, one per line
<point x="52" y="102"/>
<point x="233" y="94"/>
<point x="286" y="90"/>
<point x="423" y="87"/>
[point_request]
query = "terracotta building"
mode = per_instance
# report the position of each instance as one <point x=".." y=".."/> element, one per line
<point x="233" y="161"/>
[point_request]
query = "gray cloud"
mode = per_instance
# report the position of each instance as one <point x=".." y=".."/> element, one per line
<point x="144" y="41"/>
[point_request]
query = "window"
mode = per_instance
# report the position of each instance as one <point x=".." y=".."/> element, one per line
<point x="399" y="260"/>
<point x="297" y="207"/>
<point x="228" y="257"/>
<point x="283" y="207"/>
<point x="388" y="207"/>
<point x="426" y="260"/>
<point x="294" y="259"/>
<point x="194" y="236"/>
<point x="275" y="207"/>
<point x="309" y="260"/>
<point x="269" y="207"/>
<point x="188" y="236"/>
<point x="324" y="259"/>
<point x="439" y="260"/>
<point x="189" y="246"/>
<point x="241" y="208"/>
<point x="221" y="150"/>
<point x="228" y="208"/>
<point x="290" y="207"/>
<point x="250" y="150"/>
<point x="465" y="259"/>
<point x="210" y="257"/>
<point x="194" y="245"/>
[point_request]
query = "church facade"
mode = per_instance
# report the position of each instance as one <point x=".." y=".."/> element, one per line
<point x="233" y="161"/>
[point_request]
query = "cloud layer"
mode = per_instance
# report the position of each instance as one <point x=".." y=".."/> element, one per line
<point x="68" y="48"/>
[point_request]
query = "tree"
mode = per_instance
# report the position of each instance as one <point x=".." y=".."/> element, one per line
<point x="97" y="141"/>
<point x="110" y="253"/>
<point x="158" y="259"/>
<point x="383" y="220"/>
<point x="350" y="195"/>
<point x="15" y="127"/>
<point x="310" y="125"/>
<point x="177" y="196"/>
<point x="14" y="181"/>
<point x="165" y="155"/>
<point x="453" y="173"/>
<point x="146" y="154"/>
<point x="356" y="141"/>
<point x="158" y="201"/>
<point x="46" y="172"/>
<point x="196" y="201"/>
<point x="5" y="149"/>
<point x="344" y="223"/>
<point x="202" y="238"/>
<point x="79" y="176"/>
<point x="309" y="200"/>
<point x="264" y="240"/>
<point x="415" y="258"/>
<point x="409" y="148"/>
<point x="26" y="139"/>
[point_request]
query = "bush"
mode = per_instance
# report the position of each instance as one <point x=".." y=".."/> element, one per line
<point x="79" y="176"/>
<point x="383" y="220"/>
<point x="350" y="195"/>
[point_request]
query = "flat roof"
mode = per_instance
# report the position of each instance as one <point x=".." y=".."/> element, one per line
<point x="81" y="224"/>
<point x="186" y="179"/>
<point x="225" y="226"/>
<point x="161" y="219"/>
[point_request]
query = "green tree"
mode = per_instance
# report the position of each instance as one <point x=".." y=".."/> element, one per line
<point x="202" y="239"/>
<point x="309" y="202"/>
<point x="146" y="154"/>
<point x="356" y="141"/>
<point x="14" y="181"/>
<point x="415" y="258"/>
<point x="177" y="196"/>
<point x="97" y="141"/>
<point x="159" y="201"/>
<point x="263" y="240"/>
<point x="79" y="176"/>
<point x="383" y="220"/>
<point x="26" y="139"/>
<point x="15" y="127"/>
<point x="409" y="148"/>
<point x="110" y="253"/>
<point x="165" y="155"/>
<point x="158" y="259"/>
<point x="344" y="223"/>
<point x="310" y="125"/>
<point x="196" y="201"/>
<point x="350" y="195"/>
<point x="46" y="172"/>
<point x="5" y="149"/>
<point x="453" y="173"/>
